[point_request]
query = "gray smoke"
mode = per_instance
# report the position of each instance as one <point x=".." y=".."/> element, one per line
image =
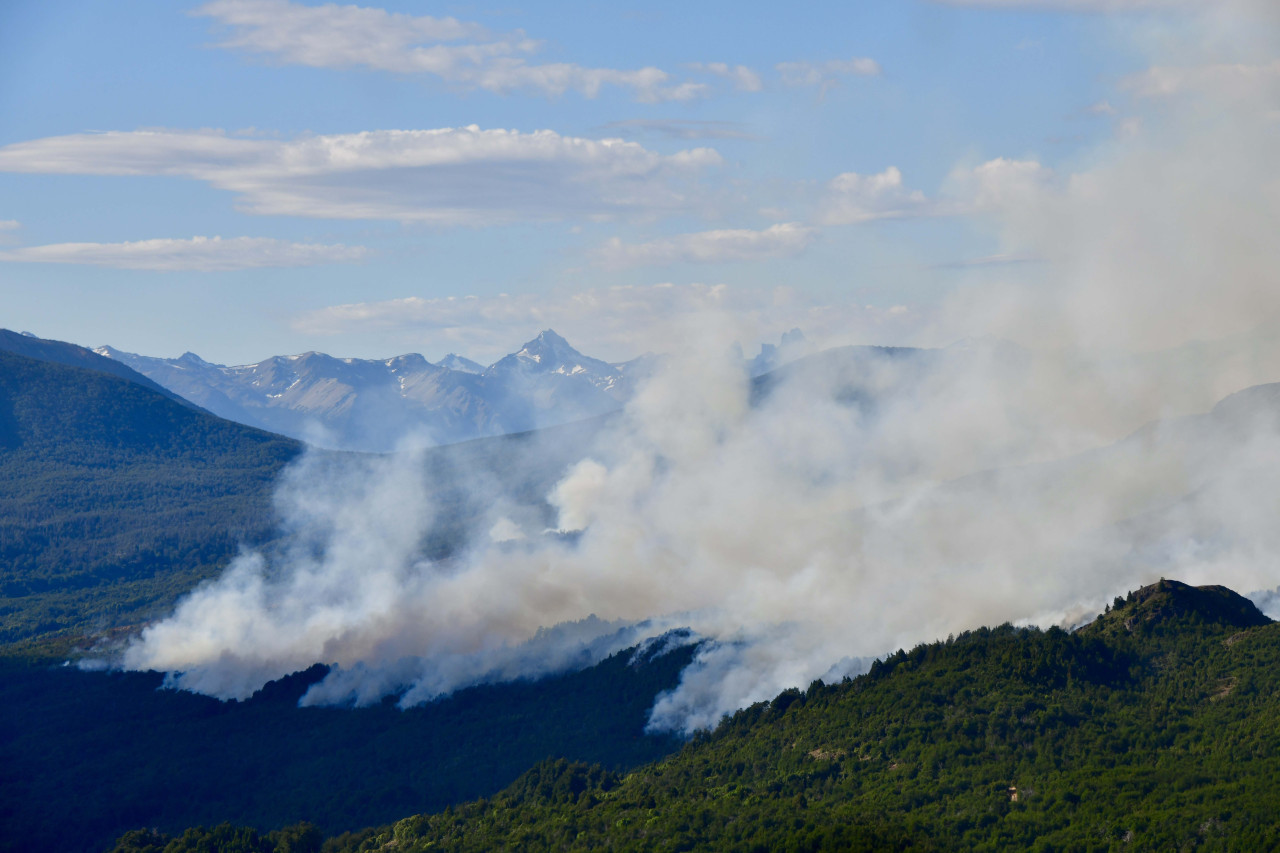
<point x="858" y="501"/>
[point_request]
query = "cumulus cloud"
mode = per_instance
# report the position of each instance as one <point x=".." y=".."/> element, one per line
<point x="197" y="254"/>
<point x="852" y="198"/>
<point x="744" y="79"/>
<point x="461" y="53"/>
<point x="825" y="74"/>
<point x="462" y="175"/>
<point x="710" y="247"/>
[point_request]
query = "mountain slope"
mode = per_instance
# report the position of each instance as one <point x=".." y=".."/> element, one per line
<point x="115" y="499"/>
<point x="998" y="739"/>
<point x="60" y="352"/>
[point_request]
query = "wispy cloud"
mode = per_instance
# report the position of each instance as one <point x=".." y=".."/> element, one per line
<point x="744" y="79"/>
<point x="197" y="254"/>
<point x="710" y="247"/>
<point x="448" y="176"/>
<point x="460" y="53"/>
<point x="826" y="74"/>
<point x="680" y="128"/>
<point x="9" y="224"/>
<point x="614" y="322"/>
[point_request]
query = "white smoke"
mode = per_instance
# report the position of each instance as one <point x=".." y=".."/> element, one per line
<point x="864" y="501"/>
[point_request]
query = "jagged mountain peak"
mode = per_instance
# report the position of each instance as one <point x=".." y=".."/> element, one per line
<point x="551" y="353"/>
<point x="550" y="336"/>
<point x="548" y="346"/>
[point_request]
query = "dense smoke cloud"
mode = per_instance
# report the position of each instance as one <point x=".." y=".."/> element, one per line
<point x="855" y="502"/>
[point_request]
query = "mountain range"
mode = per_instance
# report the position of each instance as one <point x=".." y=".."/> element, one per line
<point x="374" y="404"/>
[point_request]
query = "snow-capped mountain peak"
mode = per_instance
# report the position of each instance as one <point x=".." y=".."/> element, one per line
<point x="550" y="353"/>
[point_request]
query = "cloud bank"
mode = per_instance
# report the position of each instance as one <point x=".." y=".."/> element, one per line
<point x="464" y="176"/>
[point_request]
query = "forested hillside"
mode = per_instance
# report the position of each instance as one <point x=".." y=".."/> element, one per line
<point x="115" y="498"/>
<point x="1155" y="728"/>
<point x="85" y="756"/>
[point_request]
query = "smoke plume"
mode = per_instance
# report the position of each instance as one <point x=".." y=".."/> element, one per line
<point x="1070" y="448"/>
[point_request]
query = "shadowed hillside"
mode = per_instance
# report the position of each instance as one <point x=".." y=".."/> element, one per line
<point x="115" y="498"/>
<point x="998" y="739"/>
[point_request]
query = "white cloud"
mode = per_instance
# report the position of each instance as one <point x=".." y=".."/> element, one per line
<point x="852" y="198"/>
<point x="710" y="247"/>
<point x="461" y="53"/>
<point x="446" y="176"/>
<point x="825" y="74"/>
<point x="198" y="254"/>
<point x="9" y="224"/>
<point x="613" y="323"/>
<point x="743" y="78"/>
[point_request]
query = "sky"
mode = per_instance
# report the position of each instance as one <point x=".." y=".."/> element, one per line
<point x="247" y="178"/>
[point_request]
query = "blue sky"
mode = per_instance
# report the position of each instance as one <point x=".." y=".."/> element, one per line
<point x="439" y="177"/>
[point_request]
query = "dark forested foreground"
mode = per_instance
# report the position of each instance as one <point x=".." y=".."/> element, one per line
<point x="1155" y="728"/>
<point x="85" y="756"/>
